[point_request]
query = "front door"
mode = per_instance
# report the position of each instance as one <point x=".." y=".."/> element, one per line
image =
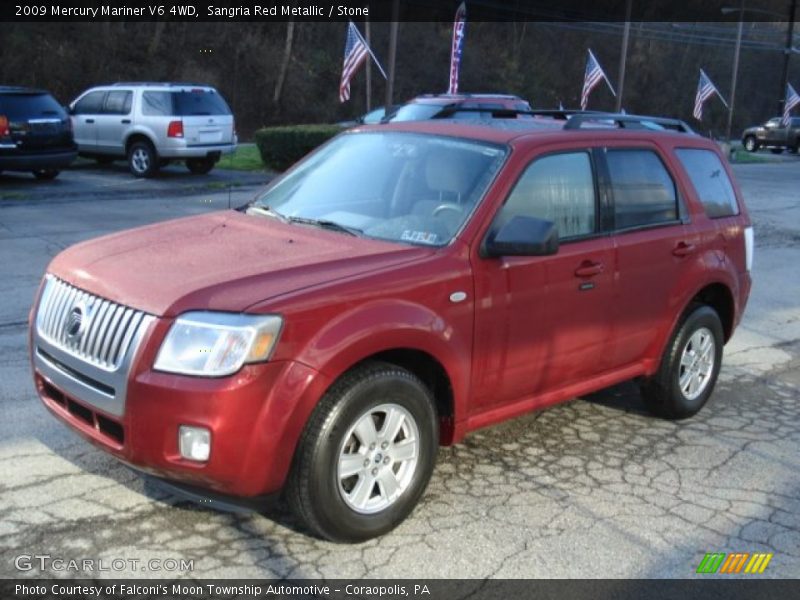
<point x="543" y="322"/>
<point x="114" y="122"/>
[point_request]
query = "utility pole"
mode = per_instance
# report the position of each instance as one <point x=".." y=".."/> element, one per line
<point x="623" y="59"/>
<point x="735" y="75"/>
<point x="787" y="54"/>
<point x="392" y="54"/>
<point x="368" y="66"/>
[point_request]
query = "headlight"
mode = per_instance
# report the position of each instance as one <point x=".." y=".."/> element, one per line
<point x="214" y="344"/>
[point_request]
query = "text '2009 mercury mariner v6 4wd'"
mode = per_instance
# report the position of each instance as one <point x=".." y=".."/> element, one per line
<point x="400" y="287"/>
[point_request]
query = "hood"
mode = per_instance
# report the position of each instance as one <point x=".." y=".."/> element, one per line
<point x="219" y="261"/>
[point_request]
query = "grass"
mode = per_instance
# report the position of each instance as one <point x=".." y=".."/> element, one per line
<point x="246" y="158"/>
<point x="13" y="196"/>
<point x="740" y="155"/>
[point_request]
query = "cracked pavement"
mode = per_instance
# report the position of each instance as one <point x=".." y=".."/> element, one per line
<point x="592" y="488"/>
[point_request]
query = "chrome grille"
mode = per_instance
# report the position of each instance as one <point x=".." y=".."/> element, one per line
<point x="94" y="329"/>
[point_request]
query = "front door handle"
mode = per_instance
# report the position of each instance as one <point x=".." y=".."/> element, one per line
<point x="589" y="269"/>
<point x="683" y="249"/>
<point x="126" y="121"/>
<point x="89" y="120"/>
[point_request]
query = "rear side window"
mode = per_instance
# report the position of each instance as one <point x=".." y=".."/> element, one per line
<point x="118" y="103"/>
<point x="157" y="104"/>
<point x="644" y="192"/>
<point x="24" y="106"/>
<point x="557" y="188"/>
<point x="710" y="181"/>
<point x="199" y="102"/>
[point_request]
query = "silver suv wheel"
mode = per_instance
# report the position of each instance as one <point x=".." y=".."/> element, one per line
<point x="378" y="458"/>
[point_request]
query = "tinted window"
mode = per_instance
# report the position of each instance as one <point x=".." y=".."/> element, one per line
<point x="24" y="106"/>
<point x="710" y="181"/>
<point x="199" y="102"/>
<point x="557" y="188"/>
<point x="416" y="112"/>
<point x="91" y="103"/>
<point x="644" y="193"/>
<point x="157" y="104"/>
<point x="118" y="103"/>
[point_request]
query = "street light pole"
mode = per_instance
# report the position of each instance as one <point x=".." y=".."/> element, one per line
<point x="392" y="55"/>
<point x="736" y="53"/>
<point x="787" y="53"/>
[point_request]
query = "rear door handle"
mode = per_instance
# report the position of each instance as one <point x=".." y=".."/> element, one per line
<point x="125" y="121"/>
<point x="589" y="269"/>
<point x="89" y="120"/>
<point x="683" y="249"/>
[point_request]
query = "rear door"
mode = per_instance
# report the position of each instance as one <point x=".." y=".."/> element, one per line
<point x="113" y="122"/>
<point x="543" y="322"/>
<point x="207" y="120"/>
<point x="651" y="242"/>
<point x="84" y="120"/>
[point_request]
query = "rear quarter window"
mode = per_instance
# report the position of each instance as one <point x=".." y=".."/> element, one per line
<point x="156" y="104"/>
<point x="710" y="181"/>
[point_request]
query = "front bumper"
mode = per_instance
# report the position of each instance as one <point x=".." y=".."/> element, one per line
<point x="255" y="417"/>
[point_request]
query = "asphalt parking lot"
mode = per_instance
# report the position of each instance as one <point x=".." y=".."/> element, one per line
<point x="591" y="488"/>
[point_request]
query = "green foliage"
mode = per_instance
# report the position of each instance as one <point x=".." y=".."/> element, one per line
<point x="281" y="147"/>
<point x="246" y="158"/>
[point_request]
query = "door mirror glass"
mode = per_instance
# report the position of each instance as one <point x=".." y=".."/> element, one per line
<point x="523" y="236"/>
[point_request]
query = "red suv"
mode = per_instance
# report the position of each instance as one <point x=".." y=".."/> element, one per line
<point x="400" y="287"/>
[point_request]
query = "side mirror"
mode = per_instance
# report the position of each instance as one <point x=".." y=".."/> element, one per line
<point x="522" y="236"/>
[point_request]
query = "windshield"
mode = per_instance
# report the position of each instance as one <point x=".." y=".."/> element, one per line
<point x="415" y="112"/>
<point x="402" y="187"/>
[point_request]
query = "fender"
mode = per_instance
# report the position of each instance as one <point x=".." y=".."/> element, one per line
<point x="382" y="325"/>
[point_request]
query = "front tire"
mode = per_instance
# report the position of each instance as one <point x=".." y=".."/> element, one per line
<point x="142" y="159"/>
<point x="366" y="454"/>
<point x="750" y="144"/>
<point x="689" y="368"/>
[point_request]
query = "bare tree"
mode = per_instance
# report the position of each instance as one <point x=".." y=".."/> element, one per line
<point x="287" y="56"/>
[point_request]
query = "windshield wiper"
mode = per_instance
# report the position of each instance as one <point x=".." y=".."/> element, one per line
<point x="266" y="211"/>
<point x="326" y="224"/>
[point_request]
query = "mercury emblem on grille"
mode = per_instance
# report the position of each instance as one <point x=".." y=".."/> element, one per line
<point x="77" y="321"/>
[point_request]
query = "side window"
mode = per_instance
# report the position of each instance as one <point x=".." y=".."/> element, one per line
<point x="157" y="104"/>
<point x="90" y="104"/>
<point x="557" y="188"/>
<point x="644" y="193"/>
<point x="118" y="103"/>
<point x="710" y="181"/>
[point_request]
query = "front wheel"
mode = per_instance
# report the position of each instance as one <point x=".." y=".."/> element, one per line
<point x="750" y="144"/>
<point x="689" y="368"/>
<point x="366" y="455"/>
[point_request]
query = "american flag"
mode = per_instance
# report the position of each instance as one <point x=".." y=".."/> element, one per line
<point x="705" y="89"/>
<point x="594" y="74"/>
<point x="792" y="100"/>
<point x="459" y="31"/>
<point x="355" y="53"/>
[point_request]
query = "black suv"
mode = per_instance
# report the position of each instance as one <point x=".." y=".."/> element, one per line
<point x="35" y="133"/>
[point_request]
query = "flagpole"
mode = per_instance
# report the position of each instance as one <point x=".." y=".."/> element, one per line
<point x="368" y="67"/>
<point x="735" y="75"/>
<point x="392" y="54"/>
<point x="624" y="56"/>
<point x="371" y="53"/>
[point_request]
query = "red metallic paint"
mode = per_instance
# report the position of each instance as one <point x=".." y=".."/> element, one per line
<point x="524" y="338"/>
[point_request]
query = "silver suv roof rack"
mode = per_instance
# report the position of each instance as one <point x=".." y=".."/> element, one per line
<point x="163" y="83"/>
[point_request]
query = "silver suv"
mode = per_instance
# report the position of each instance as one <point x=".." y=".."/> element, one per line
<point x="151" y="124"/>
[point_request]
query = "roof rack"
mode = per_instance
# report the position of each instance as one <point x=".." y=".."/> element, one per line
<point x="471" y="95"/>
<point x="162" y="83"/>
<point x="578" y="118"/>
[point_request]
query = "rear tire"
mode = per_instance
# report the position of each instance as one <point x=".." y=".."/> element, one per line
<point x="46" y="174"/>
<point x="142" y="159"/>
<point x="750" y="144"/>
<point x="689" y="368"/>
<point x="366" y="454"/>
<point x="200" y="166"/>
